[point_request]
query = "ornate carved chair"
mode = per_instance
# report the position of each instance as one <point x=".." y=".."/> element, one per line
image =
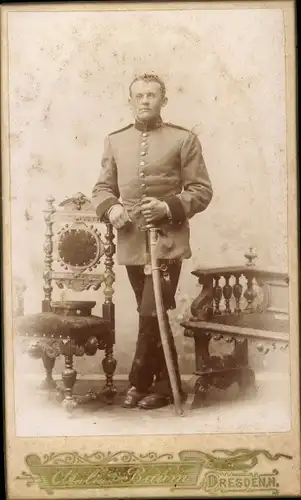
<point x="239" y="305"/>
<point x="73" y="250"/>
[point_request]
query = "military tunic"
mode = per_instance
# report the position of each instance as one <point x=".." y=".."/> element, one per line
<point x="160" y="160"/>
<point x="164" y="161"/>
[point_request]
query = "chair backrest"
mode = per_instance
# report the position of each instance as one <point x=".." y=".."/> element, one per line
<point x="78" y="251"/>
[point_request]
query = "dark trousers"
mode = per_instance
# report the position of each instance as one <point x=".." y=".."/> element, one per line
<point x="149" y="371"/>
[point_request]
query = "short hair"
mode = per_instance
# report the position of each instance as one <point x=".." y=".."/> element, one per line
<point x="149" y="77"/>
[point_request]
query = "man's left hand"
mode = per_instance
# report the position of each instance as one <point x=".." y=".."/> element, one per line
<point x="153" y="209"/>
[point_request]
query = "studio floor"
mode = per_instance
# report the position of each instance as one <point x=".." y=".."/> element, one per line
<point x="38" y="414"/>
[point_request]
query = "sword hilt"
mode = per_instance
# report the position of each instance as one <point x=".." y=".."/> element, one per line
<point x="149" y="226"/>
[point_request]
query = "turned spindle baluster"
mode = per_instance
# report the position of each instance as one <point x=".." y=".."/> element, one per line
<point x="48" y="250"/>
<point x="48" y="383"/>
<point x="109" y="362"/>
<point x="250" y="293"/>
<point x="237" y="292"/>
<point x="109" y="249"/>
<point x="227" y="293"/>
<point x="217" y="295"/>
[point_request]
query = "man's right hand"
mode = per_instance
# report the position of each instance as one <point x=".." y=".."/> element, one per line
<point x="118" y="216"/>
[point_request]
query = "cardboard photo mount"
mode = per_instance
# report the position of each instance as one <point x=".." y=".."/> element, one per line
<point x="137" y="463"/>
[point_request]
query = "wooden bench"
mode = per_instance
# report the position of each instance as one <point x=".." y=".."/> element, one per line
<point x="239" y="305"/>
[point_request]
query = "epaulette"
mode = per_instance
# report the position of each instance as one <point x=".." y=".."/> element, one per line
<point x="121" y="129"/>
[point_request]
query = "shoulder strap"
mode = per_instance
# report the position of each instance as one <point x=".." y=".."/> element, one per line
<point x="121" y="129"/>
<point x="177" y="126"/>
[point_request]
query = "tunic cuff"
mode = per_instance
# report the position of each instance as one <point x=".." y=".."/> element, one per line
<point x="176" y="209"/>
<point x="103" y="208"/>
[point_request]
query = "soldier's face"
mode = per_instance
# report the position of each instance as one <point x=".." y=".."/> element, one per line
<point x="146" y="100"/>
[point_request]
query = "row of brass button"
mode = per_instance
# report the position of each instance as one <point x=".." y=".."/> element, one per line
<point x="142" y="162"/>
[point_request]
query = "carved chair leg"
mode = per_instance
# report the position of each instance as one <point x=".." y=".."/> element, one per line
<point x="247" y="381"/>
<point x="109" y="364"/>
<point x="202" y="354"/>
<point x="48" y="383"/>
<point x="69" y="378"/>
<point x="241" y="353"/>
<point x="246" y="378"/>
<point x="201" y="389"/>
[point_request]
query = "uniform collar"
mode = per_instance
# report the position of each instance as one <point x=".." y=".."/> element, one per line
<point x="151" y="125"/>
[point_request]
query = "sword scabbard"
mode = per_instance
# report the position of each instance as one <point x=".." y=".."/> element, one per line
<point x="161" y="315"/>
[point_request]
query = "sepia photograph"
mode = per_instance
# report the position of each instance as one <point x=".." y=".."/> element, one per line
<point x="151" y="250"/>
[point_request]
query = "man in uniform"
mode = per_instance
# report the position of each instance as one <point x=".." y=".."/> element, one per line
<point x="152" y="172"/>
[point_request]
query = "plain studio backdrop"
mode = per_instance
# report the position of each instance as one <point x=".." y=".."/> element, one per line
<point x="224" y="70"/>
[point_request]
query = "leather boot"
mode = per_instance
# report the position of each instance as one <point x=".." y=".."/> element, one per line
<point x="132" y="398"/>
<point x="154" y="401"/>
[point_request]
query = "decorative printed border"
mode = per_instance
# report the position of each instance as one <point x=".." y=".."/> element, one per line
<point x="222" y="471"/>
